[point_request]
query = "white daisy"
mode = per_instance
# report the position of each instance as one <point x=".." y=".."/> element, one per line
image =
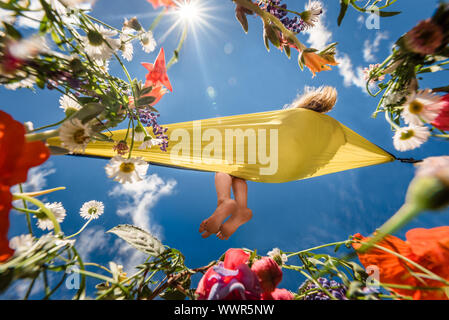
<point x="411" y="137"/>
<point x="24" y="83"/>
<point x="311" y="15"/>
<point x="57" y="209"/>
<point x="99" y="43"/>
<point x="126" y="170"/>
<point x="149" y="142"/>
<point x="127" y="50"/>
<point x="69" y="104"/>
<point x="148" y="42"/>
<point x="422" y="107"/>
<point x="74" y="135"/>
<point x="139" y="134"/>
<point x="21" y="243"/>
<point x="277" y="256"/>
<point x="92" y="209"/>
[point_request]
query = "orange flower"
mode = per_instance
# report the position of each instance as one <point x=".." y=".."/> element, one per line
<point x="317" y="63"/>
<point x="157" y="72"/>
<point x="426" y="247"/>
<point x="17" y="156"/>
<point x="166" y="3"/>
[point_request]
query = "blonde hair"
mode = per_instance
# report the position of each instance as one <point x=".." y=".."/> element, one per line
<point x="320" y="99"/>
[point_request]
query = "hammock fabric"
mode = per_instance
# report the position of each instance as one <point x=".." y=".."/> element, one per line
<point x="271" y="147"/>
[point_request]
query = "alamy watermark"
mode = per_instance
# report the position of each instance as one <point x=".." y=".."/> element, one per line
<point x="252" y="146"/>
<point x="373" y="19"/>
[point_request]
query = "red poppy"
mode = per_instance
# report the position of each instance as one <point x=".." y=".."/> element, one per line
<point x="442" y="121"/>
<point x="427" y="247"/>
<point x="268" y="272"/>
<point x="230" y="280"/>
<point x="17" y="156"/>
<point x="278" y="294"/>
<point x="157" y="72"/>
<point x="165" y="3"/>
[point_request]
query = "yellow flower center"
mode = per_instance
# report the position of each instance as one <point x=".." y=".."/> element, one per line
<point x="79" y="136"/>
<point x="407" y="134"/>
<point x="92" y="211"/>
<point x="127" y="167"/>
<point x="416" y="107"/>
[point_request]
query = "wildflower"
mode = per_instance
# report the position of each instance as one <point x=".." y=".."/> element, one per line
<point x="313" y="11"/>
<point x="27" y="82"/>
<point x="157" y="92"/>
<point x="127" y="50"/>
<point x="133" y="24"/>
<point x="442" y="120"/>
<point x="278" y="294"/>
<point x="425" y="38"/>
<point x="58" y="211"/>
<point x="139" y="134"/>
<point x="74" y="135"/>
<point x="164" y="3"/>
<point x="268" y="273"/>
<point x="22" y="243"/>
<point x="278" y="256"/>
<point x="411" y="137"/>
<point x="69" y="105"/>
<point x="230" y="280"/>
<point x="148" y="42"/>
<point x="157" y="72"/>
<point x="336" y="289"/>
<point x="99" y="43"/>
<point x="426" y="247"/>
<point x="421" y="107"/>
<point x="121" y="147"/>
<point x="18" y="156"/>
<point x="92" y="209"/>
<point x="149" y="142"/>
<point x="317" y="62"/>
<point x="126" y="170"/>
<point x="368" y="71"/>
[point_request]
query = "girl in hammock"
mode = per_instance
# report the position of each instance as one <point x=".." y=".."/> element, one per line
<point x="320" y="100"/>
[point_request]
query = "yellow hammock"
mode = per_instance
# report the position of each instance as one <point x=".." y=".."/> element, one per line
<point x="271" y="147"/>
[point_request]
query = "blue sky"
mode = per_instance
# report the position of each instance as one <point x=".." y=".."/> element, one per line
<point x="245" y="78"/>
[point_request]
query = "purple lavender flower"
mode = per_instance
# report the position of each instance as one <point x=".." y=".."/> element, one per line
<point x="274" y="7"/>
<point x="315" y="293"/>
<point x="150" y="118"/>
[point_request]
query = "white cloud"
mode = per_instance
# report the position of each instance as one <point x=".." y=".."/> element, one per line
<point x="372" y="47"/>
<point x="142" y="197"/>
<point x="351" y="76"/>
<point x="92" y="240"/>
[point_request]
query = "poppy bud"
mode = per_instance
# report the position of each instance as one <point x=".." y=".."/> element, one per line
<point x="268" y="272"/>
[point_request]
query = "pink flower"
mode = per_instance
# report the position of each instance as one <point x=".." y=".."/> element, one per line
<point x="442" y="120"/>
<point x="268" y="272"/>
<point x="230" y="280"/>
<point x="278" y="294"/>
<point x="220" y="283"/>
<point x="425" y="38"/>
<point x="165" y="3"/>
<point x="157" y="72"/>
<point x="121" y="148"/>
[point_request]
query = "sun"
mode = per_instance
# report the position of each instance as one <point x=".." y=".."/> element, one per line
<point x="189" y="11"/>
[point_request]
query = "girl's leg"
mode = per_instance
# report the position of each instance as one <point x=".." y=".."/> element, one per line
<point x="242" y="215"/>
<point x="225" y="205"/>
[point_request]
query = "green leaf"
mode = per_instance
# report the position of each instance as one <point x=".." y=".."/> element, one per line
<point x="343" y="8"/>
<point x="146" y="90"/>
<point x="139" y="239"/>
<point x="389" y="13"/>
<point x="288" y="52"/>
<point x="89" y="112"/>
<point x="12" y="32"/>
<point x="144" y="101"/>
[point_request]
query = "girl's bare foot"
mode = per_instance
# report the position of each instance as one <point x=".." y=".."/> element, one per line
<point x="228" y="228"/>
<point x="213" y="223"/>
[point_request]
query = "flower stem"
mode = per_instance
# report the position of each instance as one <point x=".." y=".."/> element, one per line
<point x="81" y="230"/>
<point x="44" y="209"/>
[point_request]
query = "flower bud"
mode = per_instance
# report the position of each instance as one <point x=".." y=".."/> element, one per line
<point x="268" y="273"/>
